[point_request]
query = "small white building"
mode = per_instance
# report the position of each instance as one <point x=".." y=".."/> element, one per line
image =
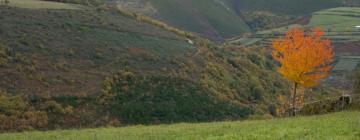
<point x="357" y="27"/>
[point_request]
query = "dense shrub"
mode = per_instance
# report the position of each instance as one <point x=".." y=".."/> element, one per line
<point x="223" y="86"/>
<point x="154" y="99"/>
<point x="260" y="20"/>
<point x="330" y="105"/>
<point x="17" y="114"/>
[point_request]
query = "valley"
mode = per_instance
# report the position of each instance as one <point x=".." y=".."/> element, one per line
<point x="185" y="69"/>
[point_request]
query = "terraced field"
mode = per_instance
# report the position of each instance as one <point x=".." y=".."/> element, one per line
<point x="347" y="63"/>
<point x="339" y="25"/>
<point x="38" y="4"/>
<point x="337" y="19"/>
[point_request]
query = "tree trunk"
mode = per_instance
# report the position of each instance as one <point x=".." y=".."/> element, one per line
<point x="293" y="111"/>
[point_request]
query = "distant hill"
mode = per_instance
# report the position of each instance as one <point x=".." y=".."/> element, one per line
<point x="215" y="19"/>
<point x="116" y="67"/>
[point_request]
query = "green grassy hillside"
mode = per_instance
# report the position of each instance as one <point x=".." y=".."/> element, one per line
<point x="100" y="61"/>
<point x="70" y="51"/>
<point x="338" y="126"/>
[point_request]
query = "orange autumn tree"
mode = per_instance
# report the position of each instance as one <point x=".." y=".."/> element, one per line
<point x="304" y="58"/>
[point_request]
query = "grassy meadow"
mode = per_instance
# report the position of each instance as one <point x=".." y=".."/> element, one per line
<point x="337" y="126"/>
<point x="86" y="61"/>
<point x="337" y="19"/>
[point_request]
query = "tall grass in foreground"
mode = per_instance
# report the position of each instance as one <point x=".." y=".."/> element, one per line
<point x="337" y="126"/>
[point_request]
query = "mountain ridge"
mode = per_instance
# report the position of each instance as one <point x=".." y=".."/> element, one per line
<point x="227" y="18"/>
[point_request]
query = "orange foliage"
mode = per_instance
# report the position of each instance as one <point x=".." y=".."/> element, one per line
<point x="304" y="58"/>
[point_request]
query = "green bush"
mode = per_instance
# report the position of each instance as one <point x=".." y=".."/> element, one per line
<point x="153" y="99"/>
<point x="16" y="114"/>
<point x="260" y="20"/>
<point x="330" y="105"/>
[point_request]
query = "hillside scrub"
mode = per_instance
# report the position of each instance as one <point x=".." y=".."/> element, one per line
<point x="160" y="99"/>
<point x="331" y="105"/>
<point x="72" y="68"/>
<point x="220" y="88"/>
<point x="192" y="94"/>
<point x="16" y="114"/>
<point x="103" y="67"/>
